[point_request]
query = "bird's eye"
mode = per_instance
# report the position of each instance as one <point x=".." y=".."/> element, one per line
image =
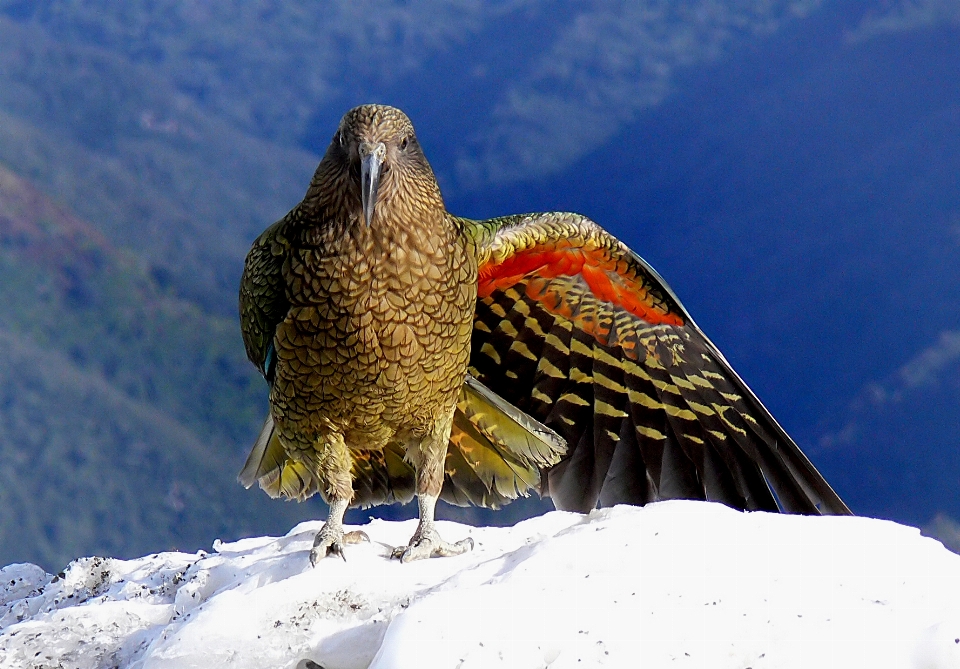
<point x="403" y="143"/>
<point x="342" y="139"/>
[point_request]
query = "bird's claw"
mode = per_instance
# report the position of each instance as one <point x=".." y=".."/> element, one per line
<point x="331" y="540"/>
<point x="431" y="546"/>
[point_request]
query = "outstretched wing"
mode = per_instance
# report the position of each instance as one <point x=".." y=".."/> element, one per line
<point x="582" y="334"/>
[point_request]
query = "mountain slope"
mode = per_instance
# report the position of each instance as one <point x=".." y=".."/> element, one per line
<point x="124" y="411"/>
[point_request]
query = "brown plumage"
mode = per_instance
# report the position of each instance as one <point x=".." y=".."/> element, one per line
<point x="366" y="304"/>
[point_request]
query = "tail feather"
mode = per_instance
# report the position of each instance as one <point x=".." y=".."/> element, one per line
<point x="277" y="474"/>
<point x="496" y="451"/>
<point x="265" y="455"/>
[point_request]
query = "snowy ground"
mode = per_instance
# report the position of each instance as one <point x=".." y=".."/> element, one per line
<point x="675" y="584"/>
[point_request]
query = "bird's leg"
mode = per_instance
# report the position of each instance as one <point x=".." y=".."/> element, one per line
<point x="334" y="464"/>
<point x="331" y="538"/>
<point x="428" y="460"/>
<point x="426" y="541"/>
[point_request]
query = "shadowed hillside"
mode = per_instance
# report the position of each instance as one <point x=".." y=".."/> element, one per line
<point x="124" y="411"/>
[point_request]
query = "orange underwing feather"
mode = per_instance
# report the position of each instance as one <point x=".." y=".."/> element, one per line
<point x="602" y="273"/>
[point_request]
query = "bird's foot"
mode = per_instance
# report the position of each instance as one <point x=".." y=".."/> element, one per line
<point x="331" y="540"/>
<point x="429" y="544"/>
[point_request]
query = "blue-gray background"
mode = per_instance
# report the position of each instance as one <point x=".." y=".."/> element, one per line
<point x="790" y="167"/>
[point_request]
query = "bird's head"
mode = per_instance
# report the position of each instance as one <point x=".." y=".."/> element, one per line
<point x="376" y="150"/>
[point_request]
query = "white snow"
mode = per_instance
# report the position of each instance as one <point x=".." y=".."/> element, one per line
<point x="674" y="584"/>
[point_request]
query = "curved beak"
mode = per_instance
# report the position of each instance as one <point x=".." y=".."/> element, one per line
<point x="371" y="158"/>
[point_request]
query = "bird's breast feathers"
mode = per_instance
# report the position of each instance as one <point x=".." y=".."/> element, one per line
<point x="398" y="272"/>
<point x="384" y="315"/>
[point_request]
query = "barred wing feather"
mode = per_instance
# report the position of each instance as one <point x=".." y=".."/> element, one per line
<point x="580" y="333"/>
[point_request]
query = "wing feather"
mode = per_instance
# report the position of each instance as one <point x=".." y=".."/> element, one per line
<point x="577" y="330"/>
<point x="263" y="302"/>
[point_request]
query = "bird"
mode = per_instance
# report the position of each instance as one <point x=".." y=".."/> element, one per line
<point x="410" y="352"/>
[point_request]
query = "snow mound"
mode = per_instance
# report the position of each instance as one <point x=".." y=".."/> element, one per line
<point x="680" y="584"/>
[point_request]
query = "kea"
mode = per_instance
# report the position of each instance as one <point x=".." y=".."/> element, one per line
<point x="410" y="351"/>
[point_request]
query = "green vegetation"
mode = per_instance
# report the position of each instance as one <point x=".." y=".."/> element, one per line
<point x="124" y="410"/>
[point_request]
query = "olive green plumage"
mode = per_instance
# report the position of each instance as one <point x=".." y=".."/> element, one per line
<point x="365" y="306"/>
